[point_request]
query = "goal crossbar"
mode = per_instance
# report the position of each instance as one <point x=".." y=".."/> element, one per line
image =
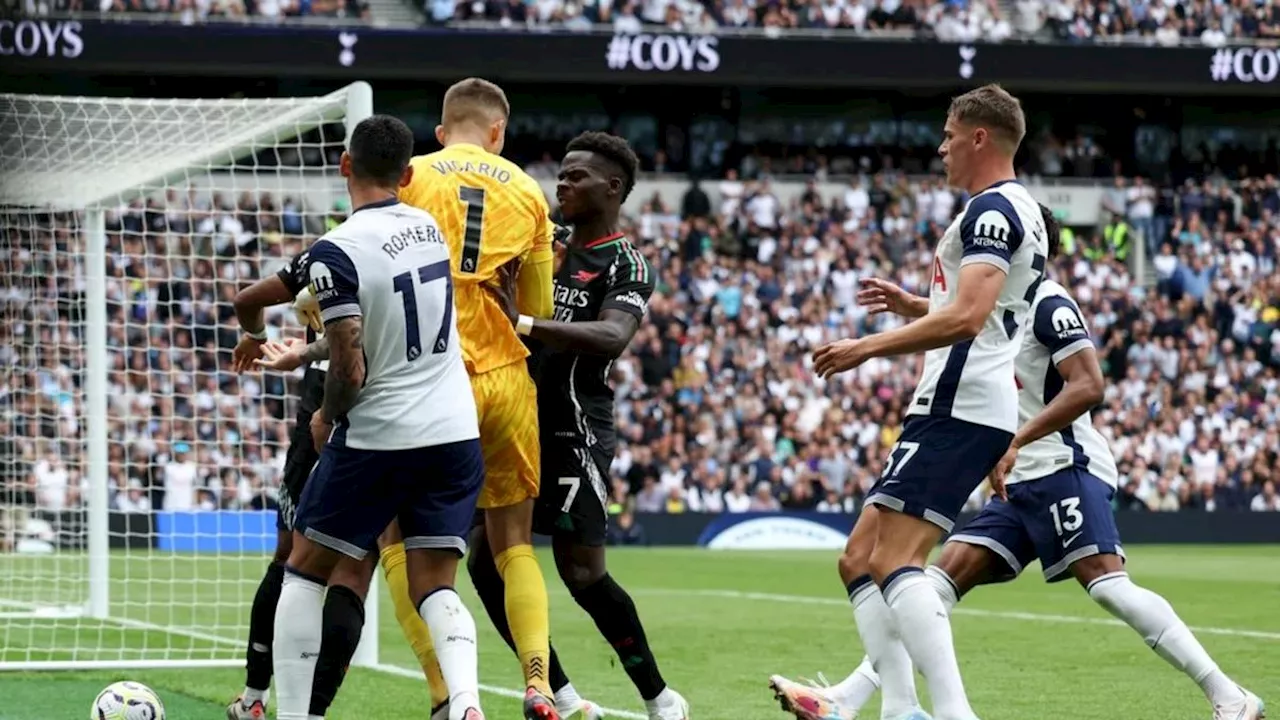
<point x="67" y="164"/>
<point x="117" y="178"/>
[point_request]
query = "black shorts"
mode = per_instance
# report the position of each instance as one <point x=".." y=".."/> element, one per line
<point x="301" y="457"/>
<point x="573" y="501"/>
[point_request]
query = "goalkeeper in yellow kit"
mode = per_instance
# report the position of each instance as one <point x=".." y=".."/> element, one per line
<point x="491" y="213"/>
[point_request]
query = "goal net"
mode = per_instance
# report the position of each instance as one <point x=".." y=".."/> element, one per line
<point x="138" y="473"/>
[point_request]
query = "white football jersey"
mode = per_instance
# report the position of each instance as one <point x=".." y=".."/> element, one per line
<point x="973" y="380"/>
<point x="389" y="265"/>
<point x="1058" y="331"/>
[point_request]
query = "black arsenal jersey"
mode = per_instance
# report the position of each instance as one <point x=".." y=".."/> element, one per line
<point x="311" y="389"/>
<point x="575" y="399"/>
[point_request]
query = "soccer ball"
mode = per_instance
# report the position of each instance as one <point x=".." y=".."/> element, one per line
<point x="127" y="701"/>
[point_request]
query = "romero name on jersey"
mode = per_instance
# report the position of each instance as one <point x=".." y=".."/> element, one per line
<point x="389" y="264"/>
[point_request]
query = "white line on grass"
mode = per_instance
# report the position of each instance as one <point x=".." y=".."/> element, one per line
<point x="1007" y="615"/>
<point x="412" y="674"/>
<point x="416" y="674"/>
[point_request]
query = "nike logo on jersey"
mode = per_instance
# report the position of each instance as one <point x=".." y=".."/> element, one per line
<point x="1067" y="542"/>
<point x="585" y="276"/>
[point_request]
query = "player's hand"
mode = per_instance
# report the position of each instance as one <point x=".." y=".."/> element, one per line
<point x="839" y="356"/>
<point x="320" y="430"/>
<point x="559" y="249"/>
<point x="1001" y="471"/>
<point x="505" y="289"/>
<point x="284" y="357"/>
<point x="247" y="352"/>
<point x="879" y="296"/>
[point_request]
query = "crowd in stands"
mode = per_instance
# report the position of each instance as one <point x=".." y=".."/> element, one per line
<point x="718" y="409"/>
<point x="194" y="11"/>
<point x="1149" y="21"/>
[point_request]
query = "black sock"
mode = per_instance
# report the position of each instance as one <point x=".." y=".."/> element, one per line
<point x="262" y="629"/>
<point x="615" y="615"/>
<point x="489" y="586"/>
<point x="343" y="621"/>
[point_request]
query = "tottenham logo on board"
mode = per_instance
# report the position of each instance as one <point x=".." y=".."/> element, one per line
<point x="967" y="54"/>
<point x="347" y="56"/>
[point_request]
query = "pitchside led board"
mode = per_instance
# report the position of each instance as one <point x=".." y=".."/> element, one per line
<point x="109" y="46"/>
<point x="777" y="531"/>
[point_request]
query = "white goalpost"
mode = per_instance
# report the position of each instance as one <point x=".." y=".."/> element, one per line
<point x="138" y="473"/>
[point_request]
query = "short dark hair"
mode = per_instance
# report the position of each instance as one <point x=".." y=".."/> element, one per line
<point x="614" y="149"/>
<point x="381" y="147"/>
<point x="993" y="108"/>
<point x="1052" y="229"/>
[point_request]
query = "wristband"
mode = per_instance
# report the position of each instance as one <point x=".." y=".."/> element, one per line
<point x="260" y="336"/>
<point x="524" y="325"/>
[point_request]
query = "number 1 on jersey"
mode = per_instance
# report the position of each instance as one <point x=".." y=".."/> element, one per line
<point x="404" y="284"/>
<point x="473" y="198"/>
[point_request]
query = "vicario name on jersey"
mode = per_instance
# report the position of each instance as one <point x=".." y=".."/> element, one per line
<point x="973" y="380"/>
<point x="388" y="265"/>
<point x="1058" y="331"/>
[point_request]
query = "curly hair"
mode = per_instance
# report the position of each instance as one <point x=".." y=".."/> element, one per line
<point x="1053" y="230"/>
<point x="613" y="148"/>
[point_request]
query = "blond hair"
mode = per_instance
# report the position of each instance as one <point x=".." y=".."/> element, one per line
<point x="474" y="100"/>
<point x="993" y="108"/>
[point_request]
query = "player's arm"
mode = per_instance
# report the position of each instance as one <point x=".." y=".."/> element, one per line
<point x="976" y="294"/>
<point x="251" y="302"/>
<point x="624" y="305"/>
<point x="1077" y="362"/>
<point x="879" y="296"/>
<point x="336" y="285"/>
<point x="290" y="356"/>
<point x="990" y="233"/>
<point x="533" y="291"/>
<point x="608" y="336"/>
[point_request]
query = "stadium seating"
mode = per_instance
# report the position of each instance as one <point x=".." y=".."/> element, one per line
<point x="720" y="410"/>
<point x="1134" y="21"/>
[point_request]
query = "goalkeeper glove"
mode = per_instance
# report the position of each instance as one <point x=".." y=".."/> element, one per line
<point x="307" y="309"/>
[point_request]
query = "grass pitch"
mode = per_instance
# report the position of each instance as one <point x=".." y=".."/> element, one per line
<point x="719" y="623"/>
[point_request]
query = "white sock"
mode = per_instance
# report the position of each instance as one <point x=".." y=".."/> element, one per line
<point x="665" y="699"/>
<point x="453" y="633"/>
<point x="1154" y="619"/>
<point x="567" y="699"/>
<point x="299" y="626"/>
<point x="854" y="691"/>
<point x="926" y="633"/>
<point x="944" y="586"/>
<point x="250" y="696"/>
<point x="884" y="646"/>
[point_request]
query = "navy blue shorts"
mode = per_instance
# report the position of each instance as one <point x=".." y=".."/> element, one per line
<point x="1059" y="519"/>
<point x="353" y="496"/>
<point x="936" y="465"/>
